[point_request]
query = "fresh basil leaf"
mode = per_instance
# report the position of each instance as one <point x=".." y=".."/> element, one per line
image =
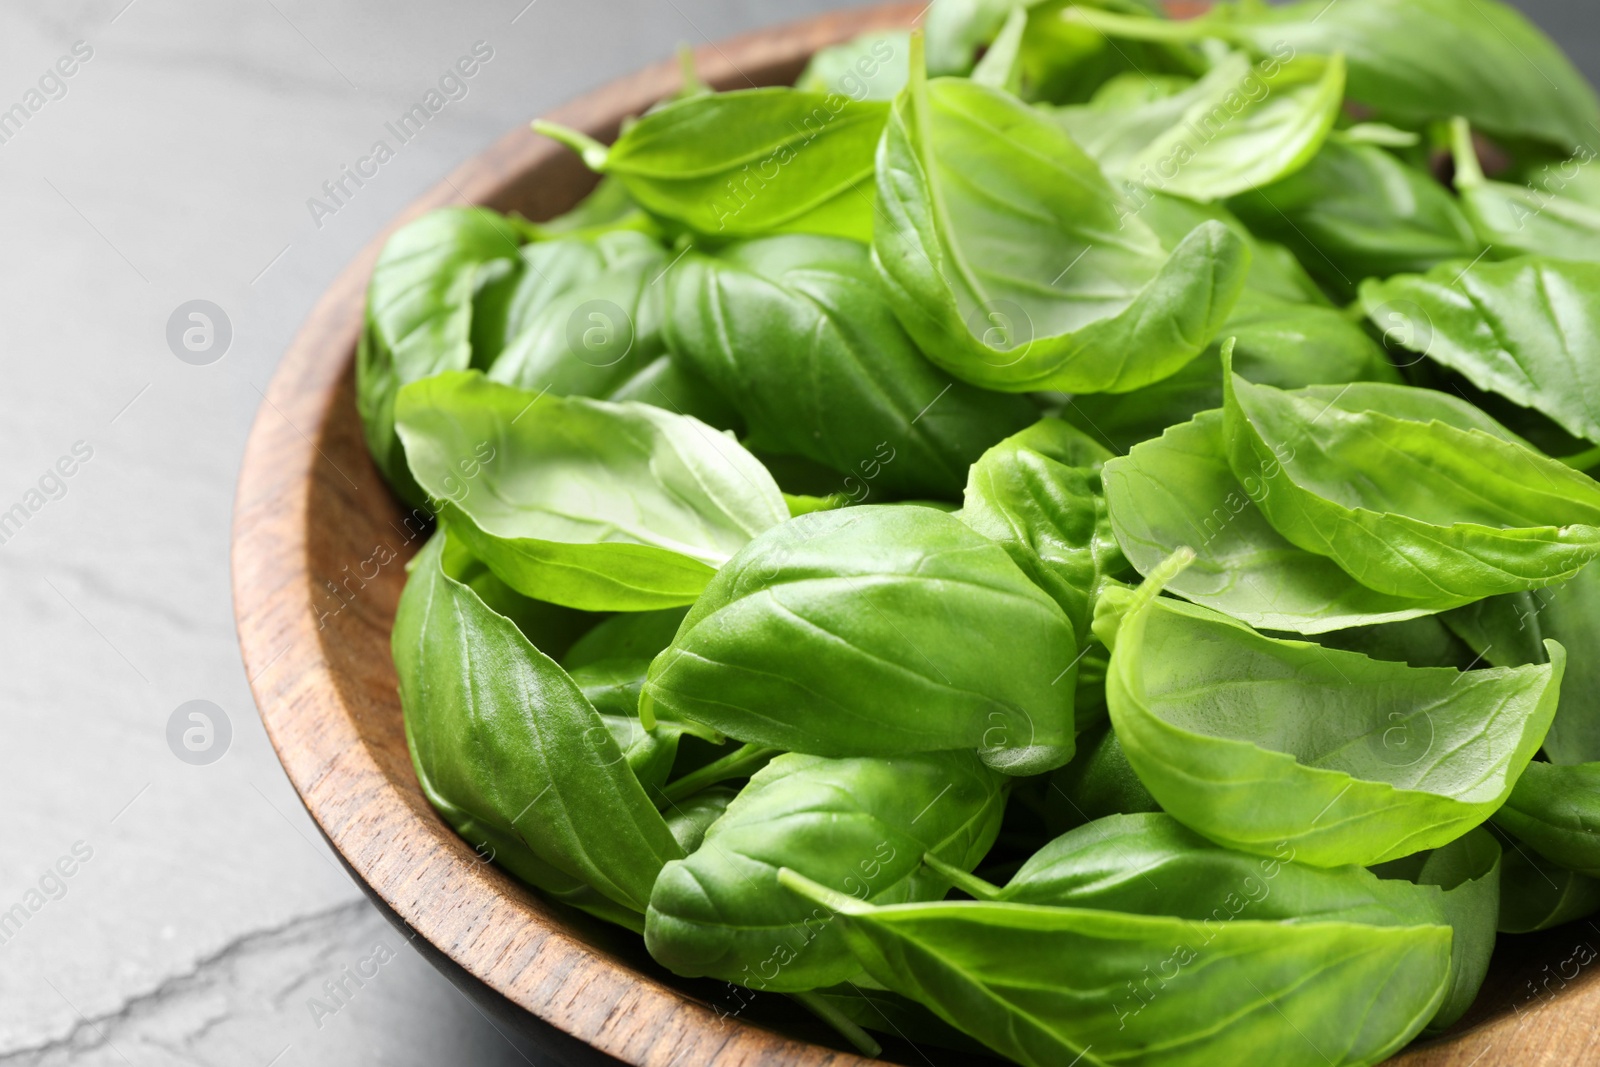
<point x="1276" y="342"/>
<point x="1047" y="985"/>
<point x="1013" y="263"/>
<point x="1239" y="127"/>
<point x="1548" y="216"/>
<point x="1037" y="494"/>
<point x="1467" y="870"/>
<point x="1414" y="493"/>
<point x="689" y="819"/>
<point x="1509" y="631"/>
<point x="1255" y="742"/>
<point x="419" y="316"/>
<point x="1520" y="328"/>
<point x="1483" y="59"/>
<point x="1099" y="782"/>
<point x="503" y="741"/>
<point x="873" y="66"/>
<point x="1555" y="810"/>
<point x="1536" y="894"/>
<point x="582" y="502"/>
<point x="586" y="315"/>
<point x="1179" y="490"/>
<point x="876" y="631"/>
<point x="1357" y="211"/>
<point x="859" y="825"/>
<point x="748" y="163"/>
<point x="793" y="330"/>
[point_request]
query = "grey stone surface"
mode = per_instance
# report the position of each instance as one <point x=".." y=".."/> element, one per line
<point x="203" y="915"/>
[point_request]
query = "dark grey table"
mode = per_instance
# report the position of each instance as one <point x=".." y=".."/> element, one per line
<point x="177" y="912"/>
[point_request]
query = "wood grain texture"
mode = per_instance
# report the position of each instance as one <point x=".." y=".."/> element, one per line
<point x="319" y="547"/>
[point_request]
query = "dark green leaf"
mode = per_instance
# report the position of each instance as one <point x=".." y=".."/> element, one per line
<point x="858" y="825"/>
<point x="794" y="331"/>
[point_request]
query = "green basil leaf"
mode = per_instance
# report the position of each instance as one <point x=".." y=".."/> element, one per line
<point x="1357" y="211"/>
<point x="1046" y="986"/>
<point x="419" y="316"/>
<point x="1179" y="491"/>
<point x="873" y="66"/>
<point x="793" y="330"/>
<point x="1422" y="642"/>
<point x="1550" y="215"/>
<point x="1555" y="810"/>
<point x="1483" y="59"/>
<point x="586" y="315"/>
<point x="1239" y="127"/>
<point x="582" y="502"/>
<point x="503" y="740"/>
<point x="1254" y="742"/>
<point x="876" y="631"/>
<point x="1013" y="263"/>
<point x="1518" y="328"/>
<point x="858" y="825"/>
<point x="1509" y="631"/>
<point x="690" y="818"/>
<point x="1468" y="871"/>
<point x="1276" y="342"/>
<point x="1037" y="494"/>
<point x="1099" y="782"/>
<point x="749" y="162"/>
<point x="1414" y="493"/>
<point x="1536" y="894"/>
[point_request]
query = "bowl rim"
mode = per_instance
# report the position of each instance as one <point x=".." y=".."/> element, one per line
<point x="409" y="858"/>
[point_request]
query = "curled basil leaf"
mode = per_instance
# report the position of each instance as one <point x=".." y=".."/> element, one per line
<point x="582" y="502"/>
<point x="1521" y="328"/>
<point x="1045" y="985"/>
<point x="1483" y="59"/>
<point x="1412" y="492"/>
<point x="1038" y="495"/>
<point x="1254" y="742"/>
<point x="858" y="825"/>
<point x="749" y="162"/>
<point x="1239" y="127"/>
<point x="1013" y="263"/>
<point x="506" y="747"/>
<point x="419" y="316"/>
<point x="816" y="638"/>
<point x="1179" y="491"/>
<point x="793" y="330"/>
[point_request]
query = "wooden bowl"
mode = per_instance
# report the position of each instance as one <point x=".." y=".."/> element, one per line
<point x="319" y="547"/>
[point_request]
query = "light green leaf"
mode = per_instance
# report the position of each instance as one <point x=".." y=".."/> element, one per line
<point x="591" y="504"/>
<point x="1014" y="264"/>
<point x="1256" y="742"/>
<point x="1047" y="986"/>
<point x="1412" y="492"/>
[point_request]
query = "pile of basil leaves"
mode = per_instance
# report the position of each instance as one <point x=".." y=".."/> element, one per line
<point x="1061" y="535"/>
